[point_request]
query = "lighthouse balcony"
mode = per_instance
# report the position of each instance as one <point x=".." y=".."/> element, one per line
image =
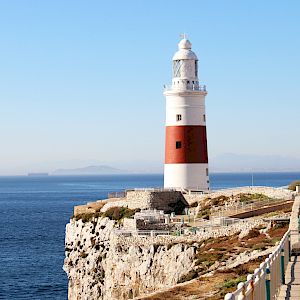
<point x="185" y="87"/>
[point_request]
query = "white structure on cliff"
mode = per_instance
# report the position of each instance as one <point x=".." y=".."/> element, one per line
<point x="186" y="159"/>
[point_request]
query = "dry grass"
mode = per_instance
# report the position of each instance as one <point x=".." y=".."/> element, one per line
<point x="222" y="282"/>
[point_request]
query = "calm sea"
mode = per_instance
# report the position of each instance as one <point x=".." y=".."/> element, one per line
<point x="34" y="212"/>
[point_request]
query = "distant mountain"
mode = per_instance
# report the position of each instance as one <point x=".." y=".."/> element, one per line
<point x="254" y="163"/>
<point x="90" y="170"/>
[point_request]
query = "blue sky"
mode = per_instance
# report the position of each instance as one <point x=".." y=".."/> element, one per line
<point x="81" y="82"/>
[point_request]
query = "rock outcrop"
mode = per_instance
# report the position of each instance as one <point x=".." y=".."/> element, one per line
<point x="101" y="265"/>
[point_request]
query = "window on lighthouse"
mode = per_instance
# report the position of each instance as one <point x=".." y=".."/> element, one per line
<point x="178" y="118"/>
<point x="196" y="68"/>
<point x="178" y="144"/>
<point x="176" y="68"/>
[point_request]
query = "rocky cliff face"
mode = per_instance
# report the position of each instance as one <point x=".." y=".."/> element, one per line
<point x="101" y="265"/>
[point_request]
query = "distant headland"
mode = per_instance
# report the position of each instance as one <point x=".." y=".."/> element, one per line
<point x="90" y="170"/>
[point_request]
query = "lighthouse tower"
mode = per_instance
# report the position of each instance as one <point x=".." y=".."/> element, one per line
<point x="186" y="159"/>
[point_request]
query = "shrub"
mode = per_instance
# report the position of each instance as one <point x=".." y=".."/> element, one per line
<point x="88" y="217"/>
<point x="194" y="204"/>
<point x="242" y="270"/>
<point x="233" y="282"/>
<point x="244" y="197"/>
<point x="254" y="232"/>
<point x="293" y="185"/>
<point x="187" y="277"/>
<point x="118" y="213"/>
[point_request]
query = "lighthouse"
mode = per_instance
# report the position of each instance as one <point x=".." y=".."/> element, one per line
<point x="186" y="159"/>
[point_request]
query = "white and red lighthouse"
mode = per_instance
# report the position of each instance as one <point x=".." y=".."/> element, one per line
<point x="186" y="159"/>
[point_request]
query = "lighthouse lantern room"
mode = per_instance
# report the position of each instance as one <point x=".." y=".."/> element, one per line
<point x="186" y="159"/>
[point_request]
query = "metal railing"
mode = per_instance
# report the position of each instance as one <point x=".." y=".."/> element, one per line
<point x="154" y="189"/>
<point x="128" y="232"/>
<point x="187" y="86"/>
<point x="266" y="280"/>
<point x="245" y="207"/>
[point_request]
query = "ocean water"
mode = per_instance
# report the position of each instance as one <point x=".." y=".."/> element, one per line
<point x="35" y="210"/>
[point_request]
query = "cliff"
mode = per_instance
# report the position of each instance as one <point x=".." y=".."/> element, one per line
<point x="101" y="265"/>
<point x="107" y="259"/>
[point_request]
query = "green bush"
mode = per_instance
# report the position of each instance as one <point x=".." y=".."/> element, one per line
<point x="233" y="282"/>
<point x="251" y="197"/>
<point x="119" y="213"/>
<point x="88" y="217"/>
<point x="293" y="185"/>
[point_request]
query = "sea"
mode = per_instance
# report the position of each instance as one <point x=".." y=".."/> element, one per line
<point x="35" y="210"/>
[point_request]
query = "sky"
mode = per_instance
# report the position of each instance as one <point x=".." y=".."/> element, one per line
<point x="81" y="82"/>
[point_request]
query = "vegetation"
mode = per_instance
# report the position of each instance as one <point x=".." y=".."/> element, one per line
<point x="254" y="232"/>
<point x="233" y="282"/>
<point x="246" y="197"/>
<point x="88" y="217"/>
<point x="118" y="213"/>
<point x="207" y="204"/>
<point x="293" y="185"/>
<point x="187" y="277"/>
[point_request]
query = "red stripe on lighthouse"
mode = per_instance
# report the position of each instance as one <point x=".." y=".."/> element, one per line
<point x="193" y="145"/>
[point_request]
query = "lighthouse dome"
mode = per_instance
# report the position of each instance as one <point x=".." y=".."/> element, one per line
<point x="185" y="51"/>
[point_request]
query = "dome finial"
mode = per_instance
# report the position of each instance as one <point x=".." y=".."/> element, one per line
<point x="184" y="43"/>
<point x="183" y="36"/>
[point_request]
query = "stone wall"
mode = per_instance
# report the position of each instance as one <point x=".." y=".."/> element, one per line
<point x="278" y="193"/>
<point x="144" y="199"/>
<point x="165" y="200"/>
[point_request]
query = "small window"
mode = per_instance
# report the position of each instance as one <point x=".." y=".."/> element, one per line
<point x="178" y="144"/>
<point x="204" y="118"/>
<point x="206" y="171"/>
<point x="178" y="118"/>
<point x="207" y="181"/>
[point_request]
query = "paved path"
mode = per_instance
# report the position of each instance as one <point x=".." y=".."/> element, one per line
<point x="291" y="288"/>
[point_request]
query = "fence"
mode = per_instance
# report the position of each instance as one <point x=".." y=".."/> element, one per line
<point x="125" y="232"/>
<point x="244" y="207"/>
<point x="267" y="279"/>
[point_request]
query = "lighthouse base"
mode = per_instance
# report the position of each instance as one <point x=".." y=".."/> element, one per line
<point x="186" y="176"/>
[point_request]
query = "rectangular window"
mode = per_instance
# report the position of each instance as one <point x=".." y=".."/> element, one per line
<point x="204" y="118"/>
<point x="176" y="68"/>
<point x="206" y="171"/>
<point x="178" y="118"/>
<point x="178" y="144"/>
